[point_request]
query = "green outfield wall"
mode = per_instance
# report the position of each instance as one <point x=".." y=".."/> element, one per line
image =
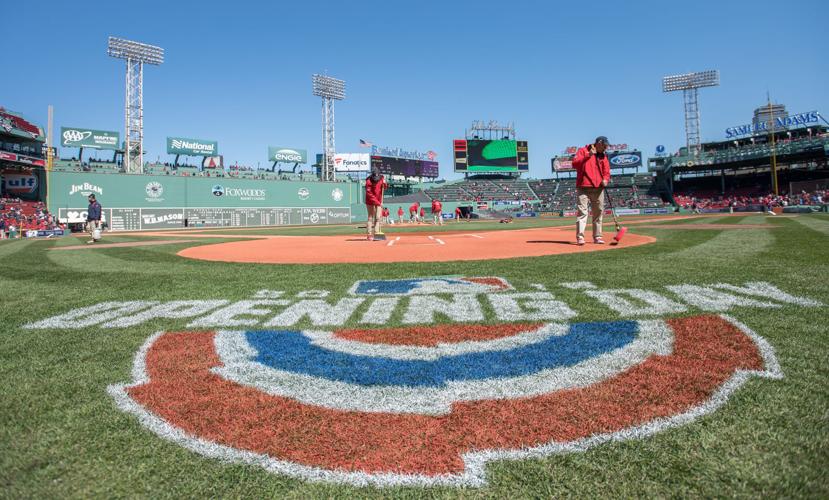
<point x="148" y="202"/>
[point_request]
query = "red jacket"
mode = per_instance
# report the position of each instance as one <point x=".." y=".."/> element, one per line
<point x="590" y="170"/>
<point x="436" y="206"/>
<point x="413" y="209"/>
<point x="422" y="212"/>
<point x="374" y="191"/>
<point x="400" y="211"/>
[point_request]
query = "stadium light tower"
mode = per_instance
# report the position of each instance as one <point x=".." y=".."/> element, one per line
<point x="135" y="54"/>
<point x="329" y="89"/>
<point x="688" y="84"/>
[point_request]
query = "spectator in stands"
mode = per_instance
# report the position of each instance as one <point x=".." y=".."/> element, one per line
<point x="437" y="208"/>
<point x="93" y="218"/>
<point x="592" y="176"/>
<point x="375" y="185"/>
<point x="2" y="229"/>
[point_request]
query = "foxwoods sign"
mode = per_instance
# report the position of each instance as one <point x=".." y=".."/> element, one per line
<point x="781" y="123"/>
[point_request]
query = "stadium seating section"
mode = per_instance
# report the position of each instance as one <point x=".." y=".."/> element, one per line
<point x="24" y="215"/>
<point x="751" y="152"/>
<point x="634" y="191"/>
<point x="102" y="166"/>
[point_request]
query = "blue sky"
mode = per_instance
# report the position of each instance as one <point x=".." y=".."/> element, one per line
<point x="417" y="73"/>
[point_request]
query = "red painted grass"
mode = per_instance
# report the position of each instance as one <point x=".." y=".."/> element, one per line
<point x="429" y="336"/>
<point x="184" y="392"/>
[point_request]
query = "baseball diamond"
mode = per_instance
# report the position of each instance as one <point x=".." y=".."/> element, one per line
<point x="512" y="267"/>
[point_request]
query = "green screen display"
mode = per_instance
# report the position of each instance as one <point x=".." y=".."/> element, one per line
<point x="492" y="156"/>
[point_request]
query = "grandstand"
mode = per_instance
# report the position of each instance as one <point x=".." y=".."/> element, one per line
<point x="726" y="173"/>
<point x="548" y="195"/>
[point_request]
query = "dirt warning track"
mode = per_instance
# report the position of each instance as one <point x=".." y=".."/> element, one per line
<point x="405" y="247"/>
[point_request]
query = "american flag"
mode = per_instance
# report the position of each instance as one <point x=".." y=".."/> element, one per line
<point x="365" y="144"/>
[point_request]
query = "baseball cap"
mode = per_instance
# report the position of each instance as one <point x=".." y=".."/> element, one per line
<point x="601" y="139"/>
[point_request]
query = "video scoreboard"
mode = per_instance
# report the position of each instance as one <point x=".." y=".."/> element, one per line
<point x="482" y="155"/>
<point x="407" y="167"/>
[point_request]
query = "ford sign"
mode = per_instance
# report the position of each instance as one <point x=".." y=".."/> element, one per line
<point x="626" y="160"/>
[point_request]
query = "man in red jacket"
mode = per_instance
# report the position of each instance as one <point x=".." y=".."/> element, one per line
<point x="375" y="185"/>
<point x="400" y="214"/>
<point x="413" y="211"/>
<point x="592" y="176"/>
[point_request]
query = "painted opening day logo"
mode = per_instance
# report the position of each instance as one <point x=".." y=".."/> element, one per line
<point x="337" y="194"/>
<point x="432" y="401"/>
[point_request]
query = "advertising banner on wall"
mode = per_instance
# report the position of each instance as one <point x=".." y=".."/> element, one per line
<point x="191" y="147"/>
<point x="19" y="184"/>
<point x="352" y="162"/>
<point x="287" y="155"/>
<point x="73" y="137"/>
<point x="629" y="159"/>
<point x="562" y="163"/>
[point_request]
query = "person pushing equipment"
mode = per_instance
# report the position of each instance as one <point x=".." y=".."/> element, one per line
<point x="592" y="176"/>
<point x="375" y="185"/>
<point x="93" y="219"/>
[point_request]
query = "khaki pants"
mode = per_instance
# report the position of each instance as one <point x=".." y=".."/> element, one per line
<point x="595" y="198"/>
<point x="374" y="217"/>
<point x="91" y="226"/>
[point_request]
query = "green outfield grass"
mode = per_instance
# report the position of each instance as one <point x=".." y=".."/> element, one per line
<point x="62" y="435"/>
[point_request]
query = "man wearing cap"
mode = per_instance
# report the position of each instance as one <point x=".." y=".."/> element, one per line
<point x="93" y="218"/>
<point x="592" y="176"/>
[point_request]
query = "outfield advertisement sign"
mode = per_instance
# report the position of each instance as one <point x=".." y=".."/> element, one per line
<point x="352" y="162"/>
<point x="287" y="155"/>
<point x="625" y="159"/>
<point x="795" y="120"/>
<point x="562" y="164"/>
<point x="618" y="159"/>
<point x="89" y="138"/>
<point x="19" y="184"/>
<point x="137" y="202"/>
<point x="191" y="147"/>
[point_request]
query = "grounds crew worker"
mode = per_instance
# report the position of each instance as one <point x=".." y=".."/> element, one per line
<point x="592" y="176"/>
<point x="93" y="218"/>
<point x="375" y="185"/>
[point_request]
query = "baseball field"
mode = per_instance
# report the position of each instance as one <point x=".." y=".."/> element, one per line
<point x="471" y="360"/>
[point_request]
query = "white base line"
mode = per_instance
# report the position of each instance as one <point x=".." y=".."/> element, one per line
<point x="391" y="242"/>
<point x="440" y="241"/>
